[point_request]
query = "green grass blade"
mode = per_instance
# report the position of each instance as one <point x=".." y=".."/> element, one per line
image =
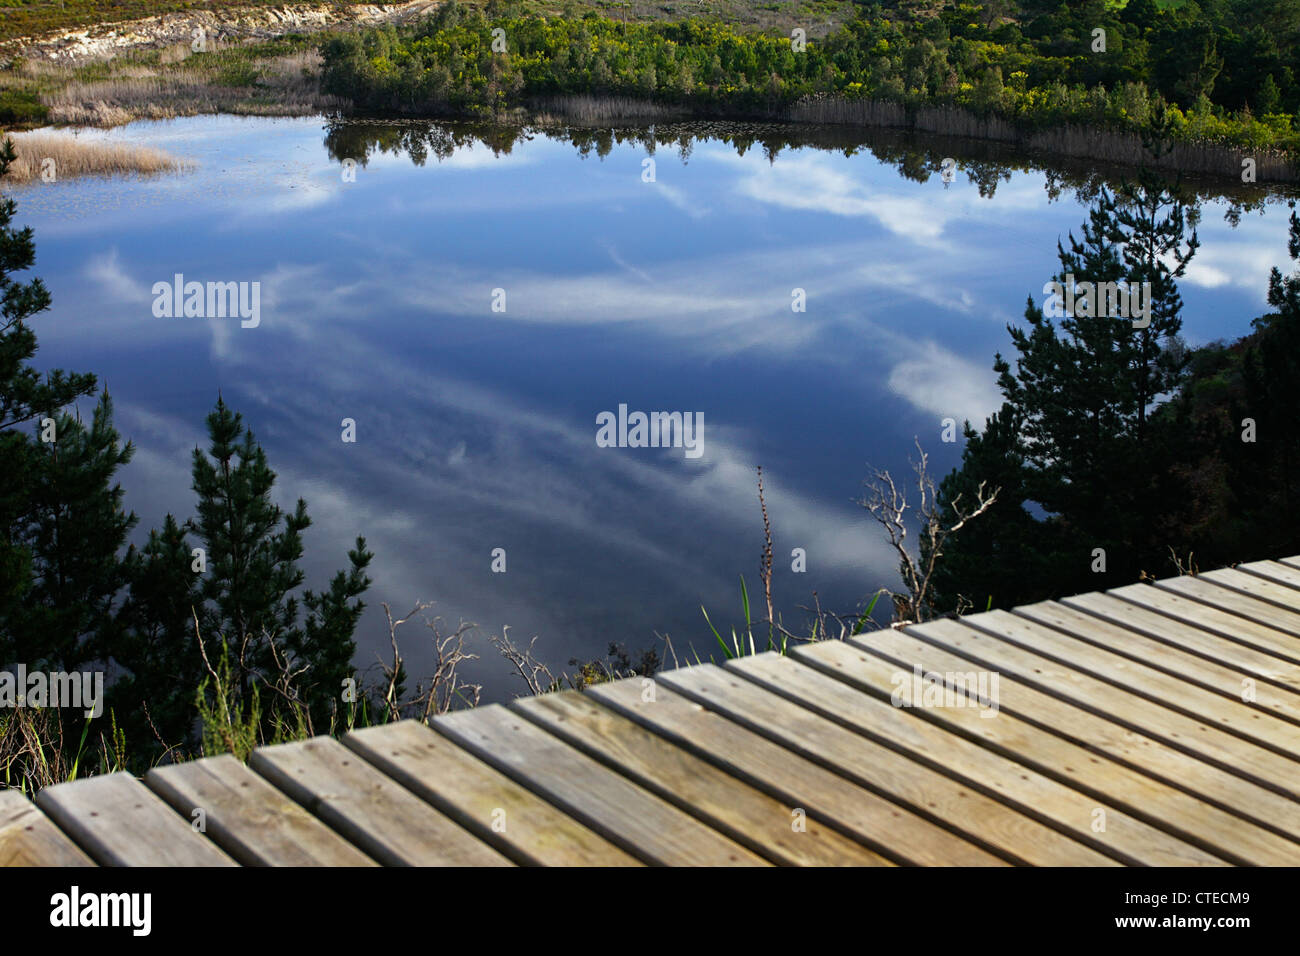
<point x="721" y="643"/>
<point x="866" y="615"/>
<point x="749" y="622"/>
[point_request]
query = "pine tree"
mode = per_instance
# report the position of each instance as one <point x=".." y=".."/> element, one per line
<point x="1072" y="442"/>
<point x="61" y="515"/>
<point x="159" y="645"/>
<point x="1150" y="224"/>
<point x="76" y="530"/>
<point x="326" y="640"/>
<point x="251" y="546"/>
<point x="252" y="549"/>
<point x="1263" y="473"/>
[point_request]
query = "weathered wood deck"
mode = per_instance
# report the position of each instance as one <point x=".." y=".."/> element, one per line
<point x="1148" y="725"/>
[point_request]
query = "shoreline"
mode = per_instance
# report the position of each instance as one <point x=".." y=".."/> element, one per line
<point x="262" y="61"/>
<point x="1098" y="144"/>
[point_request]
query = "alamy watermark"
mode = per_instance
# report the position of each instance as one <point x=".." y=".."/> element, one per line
<point x="82" y="691"/>
<point x="76" y="909"/>
<point x="946" y="689"/>
<point x="1095" y="299"/>
<point x="651" y="430"/>
<point x="212" y="300"/>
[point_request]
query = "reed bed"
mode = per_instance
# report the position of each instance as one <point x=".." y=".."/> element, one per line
<point x="284" y="85"/>
<point x="840" y="111"/>
<point x="1127" y="148"/>
<point x="589" y="109"/>
<point x="75" y="157"/>
<point x="1073" y="140"/>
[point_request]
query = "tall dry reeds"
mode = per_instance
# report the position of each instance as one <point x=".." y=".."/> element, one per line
<point x="73" y="157"/>
<point x="183" y="85"/>
<point x="1073" y="140"/>
<point x="839" y="110"/>
<point x="37" y="751"/>
<point x="590" y="109"/>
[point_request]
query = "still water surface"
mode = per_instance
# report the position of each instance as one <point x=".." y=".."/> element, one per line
<point x="476" y="429"/>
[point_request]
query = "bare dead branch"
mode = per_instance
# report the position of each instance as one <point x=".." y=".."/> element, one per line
<point x="534" y="673"/>
<point x="888" y="505"/>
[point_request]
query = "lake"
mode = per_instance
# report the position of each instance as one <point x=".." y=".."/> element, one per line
<point x="475" y="312"/>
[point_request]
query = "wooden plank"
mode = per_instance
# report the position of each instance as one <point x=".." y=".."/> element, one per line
<point x="886" y="825"/>
<point x="371" y="811"/>
<point x="248" y="818"/>
<point x="118" y="822"/>
<point x="1188" y="638"/>
<point x="1068" y="814"/>
<point x="1074" y="649"/>
<point x="28" y="838"/>
<point x="1231" y="715"/>
<point x="1106" y="628"/>
<point x="1258" y="587"/>
<point x="640" y="822"/>
<point x="489" y="804"/>
<point x="1222" y="624"/>
<point x="1213" y="594"/>
<point x="1102" y="734"/>
<point x="1275" y="571"/>
<point x="750" y="817"/>
<point x="1185" y="817"/>
<point x="965" y="804"/>
<point x="1198" y="738"/>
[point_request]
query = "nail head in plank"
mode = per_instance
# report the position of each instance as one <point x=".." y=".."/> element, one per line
<point x="28" y="838"/>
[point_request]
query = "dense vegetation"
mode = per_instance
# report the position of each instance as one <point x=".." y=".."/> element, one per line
<point x="1224" y="71"/>
<point x="1120" y="452"/>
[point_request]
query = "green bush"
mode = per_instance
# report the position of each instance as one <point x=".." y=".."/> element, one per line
<point x="21" y="107"/>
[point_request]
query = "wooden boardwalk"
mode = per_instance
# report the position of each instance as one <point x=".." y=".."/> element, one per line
<point x="1150" y="725"/>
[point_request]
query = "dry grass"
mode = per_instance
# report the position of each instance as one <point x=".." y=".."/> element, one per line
<point x="178" y="84"/>
<point x="1070" y="140"/>
<point x="1108" y="146"/>
<point x="585" y="109"/>
<point x="36" y="750"/>
<point x="838" y="110"/>
<point x="73" y="157"/>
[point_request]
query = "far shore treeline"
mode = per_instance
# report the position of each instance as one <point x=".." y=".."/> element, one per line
<point x="1221" y="73"/>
